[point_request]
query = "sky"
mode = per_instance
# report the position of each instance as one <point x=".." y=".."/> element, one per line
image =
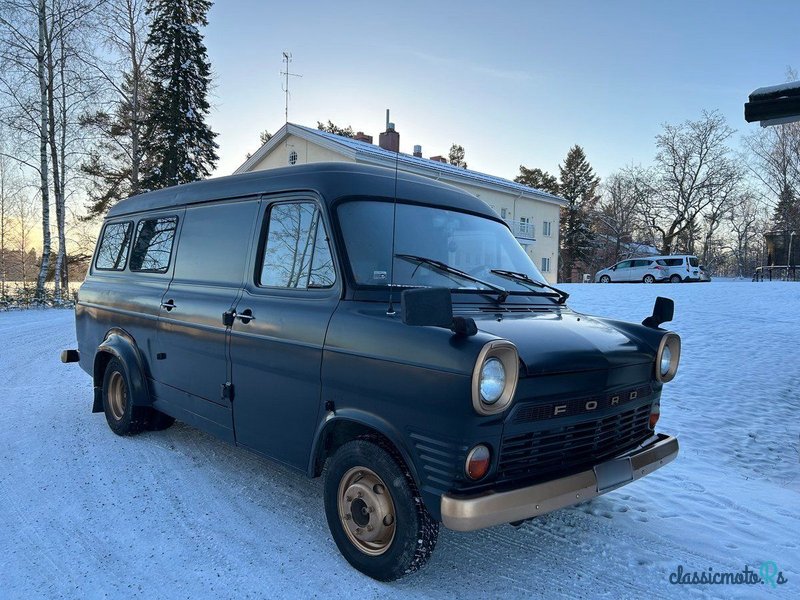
<point x="515" y="83"/>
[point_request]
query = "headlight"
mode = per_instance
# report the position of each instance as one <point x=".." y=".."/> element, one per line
<point x="667" y="357"/>
<point x="494" y="379"/>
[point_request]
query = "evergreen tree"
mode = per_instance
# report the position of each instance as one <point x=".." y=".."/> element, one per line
<point x="331" y="127"/>
<point x="787" y="212"/>
<point x="113" y="166"/>
<point x="457" y="156"/>
<point x="180" y="146"/>
<point x="536" y="178"/>
<point x="579" y="187"/>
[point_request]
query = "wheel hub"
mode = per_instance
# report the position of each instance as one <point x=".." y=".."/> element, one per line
<point x="366" y="511"/>
<point x="117" y="395"/>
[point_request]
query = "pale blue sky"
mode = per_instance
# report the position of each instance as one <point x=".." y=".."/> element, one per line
<point x="513" y="82"/>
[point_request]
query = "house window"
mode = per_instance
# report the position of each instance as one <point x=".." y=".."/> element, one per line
<point x="292" y="157"/>
<point x="545" y="265"/>
<point x="503" y="213"/>
<point x="525" y="226"/>
<point x="546" y="228"/>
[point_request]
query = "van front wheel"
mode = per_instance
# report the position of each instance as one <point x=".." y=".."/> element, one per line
<point x="375" y="512"/>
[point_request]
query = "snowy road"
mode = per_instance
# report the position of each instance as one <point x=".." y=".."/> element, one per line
<point x="177" y="514"/>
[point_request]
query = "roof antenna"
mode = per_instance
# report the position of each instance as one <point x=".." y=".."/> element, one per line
<point x="287" y="58"/>
<point x="390" y="311"/>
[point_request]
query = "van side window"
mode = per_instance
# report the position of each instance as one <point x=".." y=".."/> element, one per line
<point x="297" y="254"/>
<point x="113" y="249"/>
<point x="153" y="246"/>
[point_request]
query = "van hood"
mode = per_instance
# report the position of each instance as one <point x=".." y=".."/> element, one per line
<point x="565" y="342"/>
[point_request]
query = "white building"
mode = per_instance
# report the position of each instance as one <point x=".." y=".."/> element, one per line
<point x="532" y="214"/>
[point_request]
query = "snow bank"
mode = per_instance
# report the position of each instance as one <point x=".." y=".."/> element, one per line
<point x="180" y="514"/>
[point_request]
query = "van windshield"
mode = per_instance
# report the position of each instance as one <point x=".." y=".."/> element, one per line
<point x="469" y="243"/>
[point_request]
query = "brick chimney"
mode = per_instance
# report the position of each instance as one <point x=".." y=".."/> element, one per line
<point x="389" y="139"/>
<point x="440" y="159"/>
<point x="418" y="151"/>
<point x="363" y="137"/>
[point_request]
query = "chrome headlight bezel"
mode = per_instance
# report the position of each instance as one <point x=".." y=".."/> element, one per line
<point x="506" y="353"/>
<point x="673" y="342"/>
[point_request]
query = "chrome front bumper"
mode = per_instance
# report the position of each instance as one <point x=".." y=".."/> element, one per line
<point x="467" y="513"/>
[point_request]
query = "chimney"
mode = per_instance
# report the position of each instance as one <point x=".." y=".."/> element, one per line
<point x="440" y="159"/>
<point x="389" y="139"/>
<point x="418" y="151"/>
<point x="363" y="137"/>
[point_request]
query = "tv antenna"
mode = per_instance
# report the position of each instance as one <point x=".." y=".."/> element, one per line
<point x="287" y="59"/>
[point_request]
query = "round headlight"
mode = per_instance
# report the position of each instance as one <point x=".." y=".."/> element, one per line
<point x="666" y="361"/>
<point x="493" y="380"/>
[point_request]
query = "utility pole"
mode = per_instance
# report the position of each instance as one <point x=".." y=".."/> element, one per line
<point x="287" y="58"/>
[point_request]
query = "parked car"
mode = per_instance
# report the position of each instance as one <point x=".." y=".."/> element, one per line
<point x="639" y="270"/>
<point x="384" y="329"/>
<point x="680" y="267"/>
<point x="704" y="276"/>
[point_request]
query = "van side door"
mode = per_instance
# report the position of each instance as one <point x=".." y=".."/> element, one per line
<point x="191" y="367"/>
<point x="281" y="321"/>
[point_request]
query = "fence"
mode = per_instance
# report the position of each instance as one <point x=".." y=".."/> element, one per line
<point x="776" y="273"/>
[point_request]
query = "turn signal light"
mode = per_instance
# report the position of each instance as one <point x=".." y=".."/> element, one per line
<point x="478" y="461"/>
<point x="655" y="413"/>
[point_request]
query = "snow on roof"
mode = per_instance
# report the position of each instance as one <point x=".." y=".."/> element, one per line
<point x="791" y="86"/>
<point x="376" y="154"/>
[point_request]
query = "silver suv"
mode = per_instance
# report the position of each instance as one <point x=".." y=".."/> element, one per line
<point x="644" y="270"/>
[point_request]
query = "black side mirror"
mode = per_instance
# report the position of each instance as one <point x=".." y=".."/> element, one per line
<point x="663" y="311"/>
<point x="427" y="306"/>
<point x="433" y="307"/>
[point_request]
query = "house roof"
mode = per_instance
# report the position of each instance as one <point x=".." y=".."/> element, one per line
<point x="373" y="154"/>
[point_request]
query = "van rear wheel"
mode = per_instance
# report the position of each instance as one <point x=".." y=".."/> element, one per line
<point x="375" y="512"/>
<point x="675" y="279"/>
<point x="123" y="417"/>
<point x="649" y="279"/>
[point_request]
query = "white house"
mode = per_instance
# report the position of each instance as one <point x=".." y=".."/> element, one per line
<point x="532" y="214"/>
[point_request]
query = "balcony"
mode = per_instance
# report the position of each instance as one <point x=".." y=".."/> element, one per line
<point x="522" y="230"/>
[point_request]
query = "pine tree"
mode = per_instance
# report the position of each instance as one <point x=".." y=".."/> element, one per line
<point x="536" y="178"/>
<point x="179" y="146"/>
<point x="787" y="212"/>
<point x="579" y="187"/>
<point x="332" y="127"/>
<point x="457" y="156"/>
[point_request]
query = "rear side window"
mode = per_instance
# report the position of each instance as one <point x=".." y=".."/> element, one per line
<point x="153" y="246"/>
<point x="673" y="262"/>
<point x="113" y="249"/>
<point x="296" y="254"/>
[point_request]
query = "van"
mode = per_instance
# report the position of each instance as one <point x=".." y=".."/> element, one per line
<point x="680" y="267"/>
<point x="383" y="330"/>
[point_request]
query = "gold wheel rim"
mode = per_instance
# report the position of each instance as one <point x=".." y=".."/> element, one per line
<point x="117" y="395"/>
<point x="366" y="511"/>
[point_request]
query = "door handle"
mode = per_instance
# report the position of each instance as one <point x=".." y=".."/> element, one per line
<point x="245" y="316"/>
<point x="169" y="304"/>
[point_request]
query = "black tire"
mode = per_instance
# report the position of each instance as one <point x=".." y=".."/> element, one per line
<point x="675" y="279"/>
<point x="414" y="532"/>
<point x="605" y="279"/>
<point x="122" y="416"/>
<point x="649" y="279"/>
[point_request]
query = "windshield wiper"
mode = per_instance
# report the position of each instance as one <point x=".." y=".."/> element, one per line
<point x="523" y="278"/>
<point x="502" y="294"/>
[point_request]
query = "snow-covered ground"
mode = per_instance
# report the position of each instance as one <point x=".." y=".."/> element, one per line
<point x="178" y="514"/>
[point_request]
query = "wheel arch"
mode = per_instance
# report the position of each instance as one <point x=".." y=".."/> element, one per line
<point x="343" y="426"/>
<point x="120" y="344"/>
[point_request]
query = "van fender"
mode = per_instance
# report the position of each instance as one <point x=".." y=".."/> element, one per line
<point x="354" y="423"/>
<point x="121" y="345"/>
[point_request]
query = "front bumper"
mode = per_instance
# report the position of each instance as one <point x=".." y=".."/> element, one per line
<point x="467" y="513"/>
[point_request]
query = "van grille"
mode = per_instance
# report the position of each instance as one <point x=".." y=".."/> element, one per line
<point x="570" y="448"/>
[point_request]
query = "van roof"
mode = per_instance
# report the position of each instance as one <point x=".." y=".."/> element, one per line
<point x="332" y="180"/>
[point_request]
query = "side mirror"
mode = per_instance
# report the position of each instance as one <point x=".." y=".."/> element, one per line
<point x="433" y="307"/>
<point x="427" y="306"/>
<point x="663" y="311"/>
<point x="614" y="268"/>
